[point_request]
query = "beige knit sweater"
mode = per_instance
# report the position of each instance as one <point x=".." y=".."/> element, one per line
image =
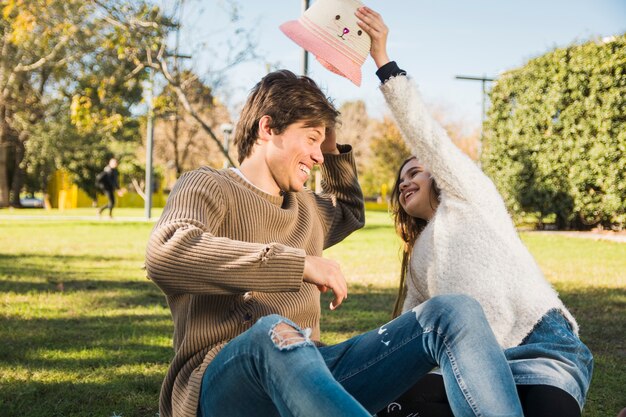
<point x="225" y="254"/>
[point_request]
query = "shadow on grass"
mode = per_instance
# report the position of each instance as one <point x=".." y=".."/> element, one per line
<point x="84" y="366"/>
<point x="70" y="343"/>
<point x="127" y="358"/>
<point x="133" y="395"/>
<point x="66" y="273"/>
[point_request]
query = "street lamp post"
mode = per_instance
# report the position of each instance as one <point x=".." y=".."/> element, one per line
<point x="305" y="54"/>
<point x="484" y="81"/>
<point x="150" y="136"/>
<point x="149" y="146"/>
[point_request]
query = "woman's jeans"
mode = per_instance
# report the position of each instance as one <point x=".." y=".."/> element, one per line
<point x="274" y="369"/>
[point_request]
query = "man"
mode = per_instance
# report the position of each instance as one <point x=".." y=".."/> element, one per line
<point x="108" y="182"/>
<point x="238" y="255"/>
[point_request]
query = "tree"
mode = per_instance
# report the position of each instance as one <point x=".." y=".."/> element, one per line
<point x="77" y="68"/>
<point x="37" y="44"/>
<point x="156" y="56"/>
<point x="357" y="129"/>
<point x="554" y="139"/>
<point x="388" y="151"/>
<point x="179" y="141"/>
<point x="465" y="137"/>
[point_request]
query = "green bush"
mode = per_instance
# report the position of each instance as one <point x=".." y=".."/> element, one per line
<point x="555" y="136"/>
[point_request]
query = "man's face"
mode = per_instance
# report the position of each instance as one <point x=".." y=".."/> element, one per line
<point x="292" y="154"/>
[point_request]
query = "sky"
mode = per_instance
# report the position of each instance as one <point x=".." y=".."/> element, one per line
<point x="433" y="40"/>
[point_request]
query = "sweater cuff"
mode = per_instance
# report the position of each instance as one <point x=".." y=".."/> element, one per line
<point x="337" y="170"/>
<point x="345" y="154"/>
<point x="389" y="70"/>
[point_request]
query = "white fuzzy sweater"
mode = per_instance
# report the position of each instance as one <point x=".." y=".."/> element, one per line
<point x="471" y="245"/>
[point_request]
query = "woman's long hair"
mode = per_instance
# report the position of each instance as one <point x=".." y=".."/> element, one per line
<point x="408" y="228"/>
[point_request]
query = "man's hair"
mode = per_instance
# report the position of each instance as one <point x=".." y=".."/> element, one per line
<point x="286" y="98"/>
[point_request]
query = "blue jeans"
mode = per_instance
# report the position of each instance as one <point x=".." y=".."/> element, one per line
<point x="270" y="371"/>
<point x="553" y="355"/>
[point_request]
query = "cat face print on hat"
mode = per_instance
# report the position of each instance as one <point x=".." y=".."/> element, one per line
<point x="328" y="30"/>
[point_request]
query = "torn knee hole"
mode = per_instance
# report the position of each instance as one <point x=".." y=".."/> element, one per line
<point x="286" y="336"/>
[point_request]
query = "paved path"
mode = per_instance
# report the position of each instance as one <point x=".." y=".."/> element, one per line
<point x="613" y="237"/>
<point x="81" y="218"/>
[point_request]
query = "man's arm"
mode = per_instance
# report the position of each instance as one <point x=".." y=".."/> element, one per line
<point x="185" y="256"/>
<point x="341" y="201"/>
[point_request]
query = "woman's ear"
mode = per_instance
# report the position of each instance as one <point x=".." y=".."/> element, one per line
<point x="265" y="128"/>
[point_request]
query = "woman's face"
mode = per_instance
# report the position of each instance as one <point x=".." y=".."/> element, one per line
<point x="415" y="186"/>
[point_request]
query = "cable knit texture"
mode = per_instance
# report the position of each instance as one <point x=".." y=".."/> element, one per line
<point x="225" y="254"/>
<point x="471" y="245"/>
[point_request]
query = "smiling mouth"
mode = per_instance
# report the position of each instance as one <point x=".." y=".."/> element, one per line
<point x="409" y="194"/>
<point x="305" y="169"/>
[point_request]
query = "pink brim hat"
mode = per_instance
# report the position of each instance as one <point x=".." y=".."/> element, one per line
<point x="331" y="52"/>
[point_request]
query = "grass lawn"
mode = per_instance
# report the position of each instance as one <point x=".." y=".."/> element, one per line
<point x="83" y="333"/>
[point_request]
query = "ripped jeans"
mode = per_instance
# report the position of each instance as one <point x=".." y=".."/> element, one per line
<point x="273" y="369"/>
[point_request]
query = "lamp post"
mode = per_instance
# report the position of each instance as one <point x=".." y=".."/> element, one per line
<point x="484" y="81"/>
<point x="227" y="129"/>
<point x="149" y="146"/>
<point x="305" y="54"/>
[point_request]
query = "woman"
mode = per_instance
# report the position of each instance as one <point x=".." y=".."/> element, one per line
<point x="459" y="238"/>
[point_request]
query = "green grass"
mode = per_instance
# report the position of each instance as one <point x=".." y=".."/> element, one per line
<point x="83" y="333"/>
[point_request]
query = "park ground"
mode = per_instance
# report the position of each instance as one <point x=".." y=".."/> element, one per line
<point x="84" y="333"/>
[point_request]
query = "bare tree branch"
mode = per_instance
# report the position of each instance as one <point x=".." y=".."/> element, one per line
<point x="43" y="60"/>
<point x="134" y="72"/>
<point x="132" y="21"/>
<point x="187" y="106"/>
<point x="189" y="142"/>
<point x="138" y="189"/>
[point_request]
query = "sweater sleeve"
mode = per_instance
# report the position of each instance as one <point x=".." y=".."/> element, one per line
<point x="185" y="256"/>
<point x="455" y="173"/>
<point x="341" y="201"/>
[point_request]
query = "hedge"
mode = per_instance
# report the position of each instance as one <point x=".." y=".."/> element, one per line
<point x="554" y="139"/>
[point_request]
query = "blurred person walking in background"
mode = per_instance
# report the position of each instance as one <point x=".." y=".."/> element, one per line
<point x="108" y="182"/>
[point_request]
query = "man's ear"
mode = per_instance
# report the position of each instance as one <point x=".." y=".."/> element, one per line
<point x="265" y="129"/>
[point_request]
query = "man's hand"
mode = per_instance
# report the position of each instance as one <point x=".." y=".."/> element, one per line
<point x="330" y="142"/>
<point x="326" y="274"/>
<point x="372" y="23"/>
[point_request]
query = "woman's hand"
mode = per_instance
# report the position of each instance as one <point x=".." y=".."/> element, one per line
<point x="372" y="23"/>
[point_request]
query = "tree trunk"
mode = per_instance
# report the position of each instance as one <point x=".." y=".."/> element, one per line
<point x="4" y="156"/>
<point x="18" y="174"/>
<point x="4" y="180"/>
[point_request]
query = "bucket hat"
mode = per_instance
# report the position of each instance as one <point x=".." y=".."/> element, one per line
<point x="328" y="30"/>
